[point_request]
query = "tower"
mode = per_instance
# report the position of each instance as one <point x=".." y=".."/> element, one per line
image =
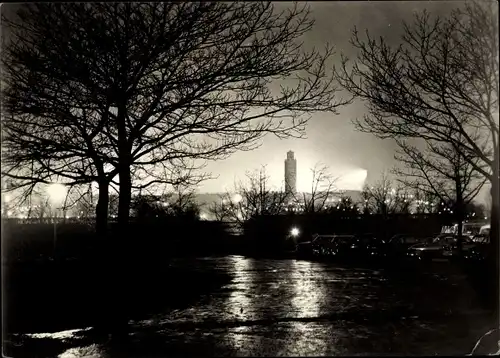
<point x="290" y="174"/>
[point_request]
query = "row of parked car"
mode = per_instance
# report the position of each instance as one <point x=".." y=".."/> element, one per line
<point x="368" y="247"/>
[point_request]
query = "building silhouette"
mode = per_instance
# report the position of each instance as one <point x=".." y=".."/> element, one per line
<point x="290" y="174"/>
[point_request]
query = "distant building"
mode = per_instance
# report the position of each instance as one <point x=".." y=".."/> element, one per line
<point x="290" y="174"/>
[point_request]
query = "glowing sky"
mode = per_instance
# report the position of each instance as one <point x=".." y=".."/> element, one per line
<point x="331" y="139"/>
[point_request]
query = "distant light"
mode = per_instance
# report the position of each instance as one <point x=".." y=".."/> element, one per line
<point x="473" y="214"/>
<point x="203" y="216"/>
<point x="57" y="193"/>
<point x="295" y="231"/>
<point x="237" y="198"/>
<point x="485" y="217"/>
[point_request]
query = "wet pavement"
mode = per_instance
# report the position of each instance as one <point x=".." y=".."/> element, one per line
<point x="295" y="307"/>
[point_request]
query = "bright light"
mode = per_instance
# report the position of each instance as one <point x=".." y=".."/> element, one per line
<point x="203" y="216"/>
<point x="295" y="231"/>
<point x="237" y="198"/>
<point x="57" y="193"/>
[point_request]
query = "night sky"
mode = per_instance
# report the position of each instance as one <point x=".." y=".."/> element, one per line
<point x="331" y="139"/>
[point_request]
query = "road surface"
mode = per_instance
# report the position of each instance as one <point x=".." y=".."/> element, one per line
<point x="296" y="307"/>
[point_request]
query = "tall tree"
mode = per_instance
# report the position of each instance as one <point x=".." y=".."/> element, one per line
<point x="252" y="198"/>
<point x="423" y="200"/>
<point x="385" y="198"/>
<point x="439" y="84"/>
<point x="441" y="170"/>
<point x="322" y="187"/>
<point x="94" y="91"/>
<point x="346" y="205"/>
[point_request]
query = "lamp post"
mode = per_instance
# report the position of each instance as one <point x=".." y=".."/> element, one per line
<point x="57" y="194"/>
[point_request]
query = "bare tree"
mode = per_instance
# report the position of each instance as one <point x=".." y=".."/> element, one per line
<point x="475" y="211"/>
<point x="182" y="202"/>
<point x="346" y="205"/>
<point x="322" y="187"/>
<point x="424" y="201"/>
<point x="440" y="84"/>
<point x="250" y="199"/>
<point x="385" y="198"/>
<point x="441" y="170"/>
<point x="99" y="90"/>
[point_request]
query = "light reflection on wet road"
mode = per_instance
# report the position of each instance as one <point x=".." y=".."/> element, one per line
<point x="292" y="307"/>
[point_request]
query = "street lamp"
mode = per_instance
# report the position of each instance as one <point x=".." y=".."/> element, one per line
<point x="57" y="194"/>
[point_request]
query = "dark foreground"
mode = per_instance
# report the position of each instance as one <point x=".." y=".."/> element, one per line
<point x="267" y="307"/>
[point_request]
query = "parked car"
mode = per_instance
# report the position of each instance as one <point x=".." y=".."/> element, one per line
<point x="350" y="248"/>
<point x="452" y="251"/>
<point x="485" y="230"/>
<point x="432" y="249"/>
<point x="480" y="249"/>
<point x="325" y="246"/>
<point x="399" y="244"/>
<point x="314" y="247"/>
<point x="338" y="245"/>
<point x="481" y="239"/>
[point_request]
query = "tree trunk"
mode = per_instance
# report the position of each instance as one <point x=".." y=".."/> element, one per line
<point x="494" y="234"/>
<point x="459" y="215"/>
<point x="124" y="199"/>
<point x="101" y="211"/>
<point x="120" y="291"/>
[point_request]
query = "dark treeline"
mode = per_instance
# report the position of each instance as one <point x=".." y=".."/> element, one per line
<point x="150" y="239"/>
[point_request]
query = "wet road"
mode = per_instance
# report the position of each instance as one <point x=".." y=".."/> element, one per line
<point x="294" y="307"/>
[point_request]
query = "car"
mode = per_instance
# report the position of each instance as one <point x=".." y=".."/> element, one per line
<point x="485" y="230"/>
<point x="355" y="248"/>
<point x="398" y="245"/>
<point x="452" y="251"/>
<point x="324" y="246"/>
<point x="337" y="246"/>
<point x="480" y="249"/>
<point x="435" y="248"/>
<point x="481" y="239"/>
<point x="314" y="247"/>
